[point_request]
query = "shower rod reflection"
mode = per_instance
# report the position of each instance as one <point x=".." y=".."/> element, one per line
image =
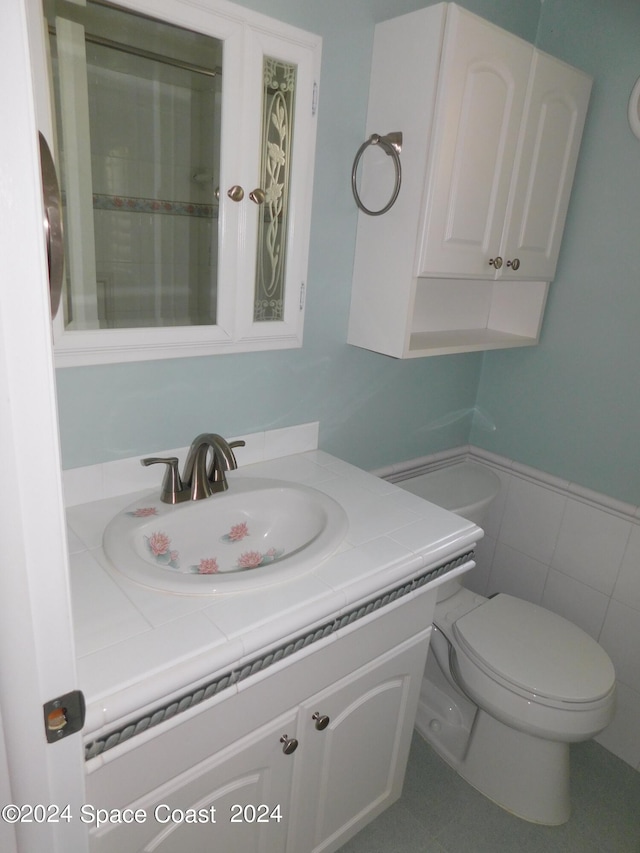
<point x="148" y="54"/>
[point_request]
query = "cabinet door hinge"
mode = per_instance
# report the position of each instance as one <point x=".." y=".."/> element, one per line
<point x="314" y="99"/>
<point x="64" y="715"/>
<point x="301" y="295"/>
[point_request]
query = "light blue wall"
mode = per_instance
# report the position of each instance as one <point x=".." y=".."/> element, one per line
<point x="372" y="410"/>
<point x="571" y="406"/>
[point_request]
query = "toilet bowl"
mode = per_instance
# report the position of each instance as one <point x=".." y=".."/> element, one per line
<point x="508" y="685"/>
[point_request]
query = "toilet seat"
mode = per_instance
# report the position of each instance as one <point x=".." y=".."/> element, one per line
<point x="516" y="644"/>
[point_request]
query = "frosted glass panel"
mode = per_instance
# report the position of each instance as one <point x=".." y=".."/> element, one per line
<point x="273" y="197"/>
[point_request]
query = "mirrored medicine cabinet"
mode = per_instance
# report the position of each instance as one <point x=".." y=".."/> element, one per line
<point x="184" y="140"/>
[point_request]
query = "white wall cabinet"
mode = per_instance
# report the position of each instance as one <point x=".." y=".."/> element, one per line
<point x="464" y="258"/>
<point x="352" y="742"/>
<point x="127" y="298"/>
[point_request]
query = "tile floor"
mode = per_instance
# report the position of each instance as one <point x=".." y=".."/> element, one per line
<point x="439" y="813"/>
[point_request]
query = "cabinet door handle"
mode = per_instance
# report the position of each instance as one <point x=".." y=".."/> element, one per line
<point x="322" y="721"/>
<point x="514" y="264"/>
<point x="258" y="196"/>
<point x="290" y="744"/>
<point x="495" y="262"/>
<point x="235" y="193"/>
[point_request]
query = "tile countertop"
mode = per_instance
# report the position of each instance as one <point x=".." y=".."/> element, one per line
<point x="136" y="646"/>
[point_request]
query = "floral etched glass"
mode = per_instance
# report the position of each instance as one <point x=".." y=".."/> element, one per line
<point x="277" y="126"/>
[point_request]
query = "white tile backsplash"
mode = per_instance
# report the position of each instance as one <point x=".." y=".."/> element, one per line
<point x="109" y="479"/>
<point x="284" y="442"/>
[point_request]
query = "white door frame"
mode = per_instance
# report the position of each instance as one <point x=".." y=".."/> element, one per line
<point x="37" y="659"/>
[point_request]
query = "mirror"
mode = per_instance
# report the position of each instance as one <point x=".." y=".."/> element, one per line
<point x="634" y="109"/>
<point x="138" y="113"/>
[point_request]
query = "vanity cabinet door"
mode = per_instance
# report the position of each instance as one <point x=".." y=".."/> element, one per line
<point x="483" y="82"/>
<point x="248" y="785"/>
<point x="354" y="744"/>
<point x="550" y="141"/>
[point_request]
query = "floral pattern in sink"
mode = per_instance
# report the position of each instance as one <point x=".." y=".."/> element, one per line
<point x="159" y="545"/>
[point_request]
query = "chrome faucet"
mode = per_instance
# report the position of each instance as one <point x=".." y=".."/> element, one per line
<point x="201" y="477"/>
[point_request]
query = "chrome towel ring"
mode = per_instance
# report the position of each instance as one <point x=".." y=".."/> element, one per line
<point x="392" y="145"/>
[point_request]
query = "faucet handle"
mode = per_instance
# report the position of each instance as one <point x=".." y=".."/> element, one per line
<point x="172" y="486"/>
<point x="232" y="445"/>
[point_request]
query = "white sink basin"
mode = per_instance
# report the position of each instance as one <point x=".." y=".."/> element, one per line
<point x="258" y="533"/>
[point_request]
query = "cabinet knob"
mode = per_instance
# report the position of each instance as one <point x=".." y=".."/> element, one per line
<point x="235" y="193"/>
<point x="258" y="196"/>
<point x="495" y="262"/>
<point x="514" y="264"/>
<point x="322" y="721"/>
<point x="290" y="744"/>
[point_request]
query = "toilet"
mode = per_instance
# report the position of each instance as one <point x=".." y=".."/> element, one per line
<point x="508" y="685"/>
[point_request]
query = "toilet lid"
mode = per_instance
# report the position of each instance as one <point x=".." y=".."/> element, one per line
<point x="535" y="649"/>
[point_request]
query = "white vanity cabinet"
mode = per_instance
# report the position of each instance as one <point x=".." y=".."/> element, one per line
<point x="491" y="133"/>
<point x="296" y="759"/>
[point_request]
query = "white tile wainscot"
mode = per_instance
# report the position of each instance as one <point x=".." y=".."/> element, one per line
<point x="176" y="684"/>
<point x="571" y="550"/>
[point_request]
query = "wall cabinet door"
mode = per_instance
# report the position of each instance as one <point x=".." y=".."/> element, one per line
<point x="354" y="745"/>
<point x="552" y="128"/>
<point x="507" y="132"/>
<point x="480" y="101"/>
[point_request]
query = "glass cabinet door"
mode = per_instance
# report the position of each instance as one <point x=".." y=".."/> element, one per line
<point x="278" y="220"/>
<point x="279" y="94"/>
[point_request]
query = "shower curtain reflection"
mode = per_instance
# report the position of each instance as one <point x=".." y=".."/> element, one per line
<point x="141" y="217"/>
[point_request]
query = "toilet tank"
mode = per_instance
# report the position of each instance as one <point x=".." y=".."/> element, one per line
<point x="465" y="488"/>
